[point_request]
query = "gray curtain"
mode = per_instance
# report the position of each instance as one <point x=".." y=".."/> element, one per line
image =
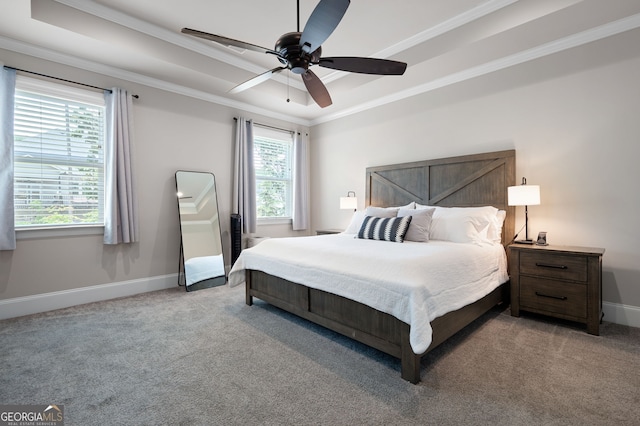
<point x="244" y="176"/>
<point x="7" y="96"/>
<point x="300" y="182"/>
<point x="120" y="210"/>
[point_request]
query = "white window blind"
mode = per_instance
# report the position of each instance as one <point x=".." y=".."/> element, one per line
<point x="59" y="155"/>
<point x="273" y="160"/>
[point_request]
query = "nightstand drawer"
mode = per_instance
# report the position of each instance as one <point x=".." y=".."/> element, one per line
<point x="553" y="296"/>
<point x="553" y="265"/>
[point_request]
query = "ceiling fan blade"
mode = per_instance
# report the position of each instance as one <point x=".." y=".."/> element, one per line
<point x="225" y="41"/>
<point x="364" y="65"/>
<point x="316" y="89"/>
<point x="260" y="78"/>
<point x="323" y="20"/>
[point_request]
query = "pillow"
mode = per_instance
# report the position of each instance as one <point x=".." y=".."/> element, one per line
<point x="410" y="206"/>
<point x="356" y="222"/>
<point x="459" y="229"/>
<point x="487" y="212"/>
<point x="382" y="211"/>
<point x="391" y="229"/>
<point x="358" y="217"/>
<point x="494" y="232"/>
<point x="420" y="224"/>
<point x="462" y="224"/>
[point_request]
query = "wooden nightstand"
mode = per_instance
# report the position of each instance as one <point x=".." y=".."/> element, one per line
<point x="560" y="281"/>
<point x="328" y="231"/>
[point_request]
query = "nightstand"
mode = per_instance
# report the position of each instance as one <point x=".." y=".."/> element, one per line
<point x="559" y="281"/>
<point x="328" y="231"/>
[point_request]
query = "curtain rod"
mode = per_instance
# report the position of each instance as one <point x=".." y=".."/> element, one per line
<point x="270" y="127"/>
<point x="62" y="79"/>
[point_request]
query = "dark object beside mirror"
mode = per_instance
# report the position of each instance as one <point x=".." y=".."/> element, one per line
<point x="201" y="259"/>
<point x="236" y="237"/>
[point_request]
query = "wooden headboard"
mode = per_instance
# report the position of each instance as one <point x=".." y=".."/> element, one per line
<point x="465" y="181"/>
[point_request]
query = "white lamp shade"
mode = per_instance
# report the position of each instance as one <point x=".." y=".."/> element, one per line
<point x="523" y="195"/>
<point x="348" y="203"/>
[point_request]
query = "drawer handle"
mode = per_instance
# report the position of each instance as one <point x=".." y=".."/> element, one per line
<point x="551" y="297"/>
<point x="545" y="265"/>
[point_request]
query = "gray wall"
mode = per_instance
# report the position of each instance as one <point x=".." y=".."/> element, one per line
<point x="574" y="125"/>
<point x="573" y="121"/>
<point x="172" y="132"/>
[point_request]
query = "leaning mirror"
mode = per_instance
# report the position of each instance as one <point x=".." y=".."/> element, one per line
<point x="201" y="259"/>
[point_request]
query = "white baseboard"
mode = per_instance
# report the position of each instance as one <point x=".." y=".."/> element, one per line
<point x="19" y="306"/>
<point x="621" y="314"/>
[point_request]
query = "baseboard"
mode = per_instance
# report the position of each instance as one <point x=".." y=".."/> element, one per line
<point x="20" y="306"/>
<point x="621" y="314"/>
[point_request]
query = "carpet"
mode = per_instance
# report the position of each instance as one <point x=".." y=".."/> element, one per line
<point x="205" y="358"/>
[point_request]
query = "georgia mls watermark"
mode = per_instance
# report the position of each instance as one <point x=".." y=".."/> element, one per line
<point x="32" y="415"/>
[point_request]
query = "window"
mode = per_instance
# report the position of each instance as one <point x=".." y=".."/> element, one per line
<point x="59" y="155"/>
<point x="273" y="160"/>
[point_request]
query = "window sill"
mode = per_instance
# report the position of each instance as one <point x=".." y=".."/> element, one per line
<point x="58" y="232"/>
<point x="275" y="221"/>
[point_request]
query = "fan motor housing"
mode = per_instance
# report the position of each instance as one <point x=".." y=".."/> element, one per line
<point x="292" y="55"/>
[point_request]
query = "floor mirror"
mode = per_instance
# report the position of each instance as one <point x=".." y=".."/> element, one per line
<point x="201" y="259"/>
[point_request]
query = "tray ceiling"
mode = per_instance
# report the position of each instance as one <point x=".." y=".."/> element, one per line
<point x="444" y="43"/>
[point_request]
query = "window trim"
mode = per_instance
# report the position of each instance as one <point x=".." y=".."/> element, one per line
<point x="76" y="230"/>
<point x="59" y="90"/>
<point x="275" y="220"/>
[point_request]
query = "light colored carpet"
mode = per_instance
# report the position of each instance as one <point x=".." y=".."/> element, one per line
<point x="204" y="358"/>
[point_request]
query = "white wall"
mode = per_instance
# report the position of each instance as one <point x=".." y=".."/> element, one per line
<point x="172" y="132"/>
<point x="575" y="134"/>
<point x="573" y="121"/>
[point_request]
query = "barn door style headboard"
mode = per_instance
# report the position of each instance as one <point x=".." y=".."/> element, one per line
<point x="465" y="181"/>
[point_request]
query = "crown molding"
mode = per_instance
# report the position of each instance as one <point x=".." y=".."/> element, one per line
<point x="61" y="58"/>
<point x="109" y="14"/>
<point x="155" y="31"/>
<point x="575" y="40"/>
<point x="178" y="39"/>
<point x="435" y="31"/>
<point x="565" y="43"/>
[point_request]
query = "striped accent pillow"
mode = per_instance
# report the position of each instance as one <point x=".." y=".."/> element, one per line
<point x="384" y="228"/>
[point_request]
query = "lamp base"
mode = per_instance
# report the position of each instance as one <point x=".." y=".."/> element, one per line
<point x="524" y="241"/>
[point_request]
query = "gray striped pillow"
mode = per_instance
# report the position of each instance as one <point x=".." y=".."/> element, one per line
<point x="384" y="228"/>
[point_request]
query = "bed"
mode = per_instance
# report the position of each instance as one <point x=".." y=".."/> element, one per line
<point x="320" y="295"/>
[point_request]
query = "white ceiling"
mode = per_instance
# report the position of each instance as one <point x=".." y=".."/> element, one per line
<point x="444" y="42"/>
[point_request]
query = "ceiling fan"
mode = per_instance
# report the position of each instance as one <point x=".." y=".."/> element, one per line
<point x="297" y="51"/>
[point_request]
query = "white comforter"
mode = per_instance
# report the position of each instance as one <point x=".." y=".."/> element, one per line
<point x="415" y="282"/>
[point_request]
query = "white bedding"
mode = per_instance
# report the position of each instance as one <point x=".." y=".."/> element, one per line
<point x="415" y="282"/>
<point x="202" y="268"/>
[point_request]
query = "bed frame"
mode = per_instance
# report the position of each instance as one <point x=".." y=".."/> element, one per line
<point x="466" y="181"/>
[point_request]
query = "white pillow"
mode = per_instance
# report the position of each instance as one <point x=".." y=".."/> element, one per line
<point x="462" y="224"/>
<point x="420" y="224"/>
<point x="494" y="232"/>
<point x="410" y="206"/>
<point x="358" y="217"/>
<point x="356" y="222"/>
<point x="382" y="211"/>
